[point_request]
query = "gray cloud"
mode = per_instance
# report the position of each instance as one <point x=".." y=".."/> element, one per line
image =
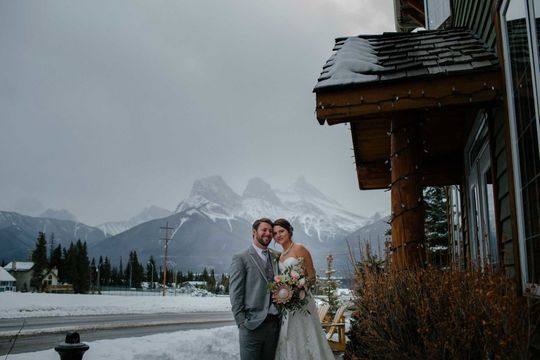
<point x="107" y="107"/>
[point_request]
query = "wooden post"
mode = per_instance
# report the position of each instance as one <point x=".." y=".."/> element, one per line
<point x="406" y="192"/>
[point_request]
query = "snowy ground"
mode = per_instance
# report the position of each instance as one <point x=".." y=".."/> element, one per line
<point x="213" y="344"/>
<point x="18" y="305"/>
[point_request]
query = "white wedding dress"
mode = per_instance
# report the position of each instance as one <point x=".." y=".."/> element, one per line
<point x="301" y="335"/>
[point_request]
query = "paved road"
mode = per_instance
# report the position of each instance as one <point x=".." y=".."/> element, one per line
<point x="42" y="333"/>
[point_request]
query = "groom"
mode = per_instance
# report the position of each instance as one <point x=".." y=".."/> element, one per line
<point x="252" y="307"/>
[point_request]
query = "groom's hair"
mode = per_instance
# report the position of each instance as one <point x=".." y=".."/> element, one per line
<point x="262" y="220"/>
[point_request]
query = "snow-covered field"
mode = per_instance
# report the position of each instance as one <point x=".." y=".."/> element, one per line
<point x="209" y="344"/>
<point x="17" y="305"/>
<point x="213" y="344"/>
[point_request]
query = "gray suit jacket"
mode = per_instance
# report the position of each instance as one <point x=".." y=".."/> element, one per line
<point x="250" y="296"/>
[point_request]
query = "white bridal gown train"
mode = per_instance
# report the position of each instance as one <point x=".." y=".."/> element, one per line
<point x="301" y="336"/>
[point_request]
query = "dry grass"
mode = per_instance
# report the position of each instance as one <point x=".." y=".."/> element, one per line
<point x="434" y="314"/>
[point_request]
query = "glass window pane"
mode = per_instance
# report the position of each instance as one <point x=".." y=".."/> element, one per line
<point x="526" y="125"/>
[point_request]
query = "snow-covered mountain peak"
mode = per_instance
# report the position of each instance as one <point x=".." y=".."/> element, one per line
<point x="305" y="190"/>
<point x="61" y="214"/>
<point x="259" y="189"/>
<point x="216" y="190"/>
<point x="150" y="213"/>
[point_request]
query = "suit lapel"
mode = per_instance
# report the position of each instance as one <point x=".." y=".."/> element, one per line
<point x="257" y="261"/>
<point x="275" y="257"/>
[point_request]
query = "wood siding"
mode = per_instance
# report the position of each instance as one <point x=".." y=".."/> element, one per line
<point x="476" y="16"/>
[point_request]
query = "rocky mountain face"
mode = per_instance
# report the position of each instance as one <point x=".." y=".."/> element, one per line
<point x="208" y="227"/>
<point x="18" y="234"/>
<point x="61" y="214"/>
<point x="150" y="213"/>
<point x="214" y="223"/>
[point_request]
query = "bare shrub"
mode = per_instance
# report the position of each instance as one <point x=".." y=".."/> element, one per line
<point x="434" y="314"/>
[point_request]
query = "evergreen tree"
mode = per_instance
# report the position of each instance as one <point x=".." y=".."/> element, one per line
<point x="56" y="259"/>
<point x="224" y="283"/>
<point x="211" y="284"/>
<point x="329" y="286"/>
<point x="106" y="275"/>
<point x="51" y="250"/>
<point x="204" y="276"/>
<point x="82" y="279"/>
<point x="134" y="270"/>
<point x="436" y="226"/>
<point x="41" y="263"/>
<point x="120" y="274"/>
<point x="93" y="275"/>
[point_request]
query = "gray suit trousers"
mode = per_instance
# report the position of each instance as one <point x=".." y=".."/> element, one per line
<point x="261" y="343"/>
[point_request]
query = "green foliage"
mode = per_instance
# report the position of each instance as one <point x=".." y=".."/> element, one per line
<point x="328" y="286"/>
<point x="41" y="263"/>
<point x="81" y="282"/>
<point x="436" y="226"/>
<point x="134" y="271"/>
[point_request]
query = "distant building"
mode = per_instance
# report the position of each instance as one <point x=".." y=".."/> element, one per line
<point x="197" y="284"/>
<point x="50" y="280"/>
<point x="7" y="282"/>
<point x="22" y="272"/>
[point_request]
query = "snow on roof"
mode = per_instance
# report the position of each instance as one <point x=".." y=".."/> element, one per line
<point x="19" y="266"/>
<point x="5" y="276"/>
<point x="354" y="58"/>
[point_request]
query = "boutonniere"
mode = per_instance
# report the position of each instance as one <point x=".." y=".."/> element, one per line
<point x="275" y="254"/>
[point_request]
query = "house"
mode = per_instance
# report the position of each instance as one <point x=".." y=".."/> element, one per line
<point x="50" y="280"/>
<point x="457" y="105"/>
<point x="22" y="272"/>
<point x="7" y="282"/>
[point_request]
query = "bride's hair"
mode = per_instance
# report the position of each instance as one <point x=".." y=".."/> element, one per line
<point x="284" y="224"/>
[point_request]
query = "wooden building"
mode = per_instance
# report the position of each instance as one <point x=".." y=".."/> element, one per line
<point x="456" y="105"/>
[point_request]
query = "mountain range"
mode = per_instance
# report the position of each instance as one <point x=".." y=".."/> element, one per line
<point x="208" y="227"/>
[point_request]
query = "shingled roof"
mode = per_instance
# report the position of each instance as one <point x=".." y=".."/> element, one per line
<point x="366" y="59"/>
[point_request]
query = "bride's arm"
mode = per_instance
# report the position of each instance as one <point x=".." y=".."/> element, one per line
<point x="308" y="262"/>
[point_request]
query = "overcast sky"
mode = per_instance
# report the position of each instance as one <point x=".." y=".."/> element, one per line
<point x="107" y="107"/>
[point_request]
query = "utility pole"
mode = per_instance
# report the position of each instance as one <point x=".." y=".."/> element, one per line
<point x="167" y="239"/>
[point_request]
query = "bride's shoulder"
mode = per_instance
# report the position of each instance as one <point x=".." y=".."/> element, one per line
<point x="301" y="247"/>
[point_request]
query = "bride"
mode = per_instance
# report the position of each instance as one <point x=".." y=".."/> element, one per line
<point x="301" y="335"/>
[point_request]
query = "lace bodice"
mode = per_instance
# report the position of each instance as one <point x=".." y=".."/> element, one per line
<point x="290" y="261"/>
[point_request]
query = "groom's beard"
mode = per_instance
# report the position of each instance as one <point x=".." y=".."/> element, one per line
<point x="262" y="241"/>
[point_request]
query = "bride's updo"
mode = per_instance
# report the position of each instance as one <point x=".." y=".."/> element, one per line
<point x="284" y="224"/>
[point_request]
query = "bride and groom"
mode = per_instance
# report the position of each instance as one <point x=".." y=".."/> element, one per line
<point x="263" y="333"/>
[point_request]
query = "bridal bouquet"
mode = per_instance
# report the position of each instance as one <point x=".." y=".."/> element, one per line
<point x="290" y="289"/>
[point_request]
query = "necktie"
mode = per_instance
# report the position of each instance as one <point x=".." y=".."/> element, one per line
<point x="269" y="269"/>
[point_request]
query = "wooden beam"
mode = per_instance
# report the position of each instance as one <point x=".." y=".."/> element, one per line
<point x="343" y="104"/>
<point x="414" y="15"/>
<point x="406" y="194"/>
<point x="440" y="171"/>
<point x="417" y="5"/>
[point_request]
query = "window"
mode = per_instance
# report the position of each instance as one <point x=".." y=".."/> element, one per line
<point x="482" y="234"/>
<point x="520" y="21"/>
<point x="458" y="247"/>
<point x="437" y="12"/>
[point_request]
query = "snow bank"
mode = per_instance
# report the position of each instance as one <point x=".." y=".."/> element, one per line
<point x="17" y="305"/>
<point x="213" y="344"/>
